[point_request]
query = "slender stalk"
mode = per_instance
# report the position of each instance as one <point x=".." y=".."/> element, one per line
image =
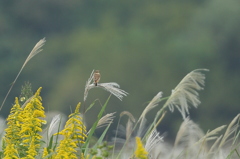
<point x="35" y="51"/>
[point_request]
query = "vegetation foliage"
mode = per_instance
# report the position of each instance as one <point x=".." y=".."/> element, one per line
<point x="146" y="46"/>
<point x="24" y="133"/>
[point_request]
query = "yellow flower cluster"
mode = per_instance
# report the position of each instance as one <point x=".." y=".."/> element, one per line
<point x="24" y="124"/>
<point x="12" y="137"/>
<point x="140" y="152"/>
<point x="74" y="134"/>
<point x="22" y="138"/>
<point x="10" y="151"/>
<point x="45" y="152"/>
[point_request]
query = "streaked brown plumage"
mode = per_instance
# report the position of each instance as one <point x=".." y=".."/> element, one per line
<point x="96" y="77"/>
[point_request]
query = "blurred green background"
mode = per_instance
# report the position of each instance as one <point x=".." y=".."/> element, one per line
<point x="145" y="46"/>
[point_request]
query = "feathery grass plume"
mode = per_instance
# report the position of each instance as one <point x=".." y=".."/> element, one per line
<point x="32" y="125"/>
<point x="114" y="89"/>
<point x="153" y="103"/>
<point x="74" y="134"/>
<point x="185" y="143"/>
<point x="209" y="136"/>
<point x="123" y="136"/>
<point x="35" y="51"/>
<point x="189" y="133"/>
<point x="186" y="93"/>
<point x="111" y="87"/>
<point x="152" y="141"/>
<point x="140" y="152"/>
<point x="54" y="124"/>
<point x="105" y="120"/>
<point x="231" y="129"/>
<point x="87" y="88"/>
<point x="212" y="151"/>
<point x="129" y="126"/>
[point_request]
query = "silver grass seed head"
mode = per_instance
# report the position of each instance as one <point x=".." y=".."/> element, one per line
<point x="106" y="120"/>
<point x="152" y="104"/>
<point x="153" y="140"/>
<point x="111" y="87"/>
<point x="54" y="124"/>
<point x="185" y="92"/>
<point x="36" y="49"/>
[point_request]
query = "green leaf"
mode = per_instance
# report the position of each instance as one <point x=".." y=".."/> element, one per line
<point x="91" y="106"/>
<point x="92" y="130"/>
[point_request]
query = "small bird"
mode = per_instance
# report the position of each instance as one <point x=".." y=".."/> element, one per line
<point x="96" y="77"/>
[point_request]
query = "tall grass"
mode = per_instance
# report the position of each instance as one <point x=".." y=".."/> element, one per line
<point x="28" y="135"/>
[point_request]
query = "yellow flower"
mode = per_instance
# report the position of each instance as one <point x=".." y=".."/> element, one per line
<point x="31" y="153"/>
<point x="140" y="152"/>
<point x="74" y="127"/>
<point x="12" y="136"/>
<point x="45" y="152"/>
<point x="66" y="149"/>
<point x="10" y="151"/>
<point x="74" y="133"/>
<point x="32" y="125"/>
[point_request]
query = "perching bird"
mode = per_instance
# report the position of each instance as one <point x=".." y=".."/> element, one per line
<point x="96" y="77"/>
